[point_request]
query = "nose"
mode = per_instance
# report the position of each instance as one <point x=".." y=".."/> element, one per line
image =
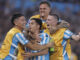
<point x="42" y="9"/>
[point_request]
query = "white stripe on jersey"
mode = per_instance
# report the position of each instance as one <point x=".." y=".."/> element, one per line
<point x="39" y="58"/>
<point x="68" y="32"/>
<point x="43" y="57"/>
<point x="19" y="38"/>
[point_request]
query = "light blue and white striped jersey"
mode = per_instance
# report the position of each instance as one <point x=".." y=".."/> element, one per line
<point x="67" y="35"/>
<point x="44" y="40"/>
<point x="18" y="38"/>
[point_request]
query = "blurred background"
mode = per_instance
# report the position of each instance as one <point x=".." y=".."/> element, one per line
<point x="68" y="10"/>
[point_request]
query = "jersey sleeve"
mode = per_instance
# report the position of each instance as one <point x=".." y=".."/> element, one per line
<point x="20" y="37"/>
<point x="67" y="34"/>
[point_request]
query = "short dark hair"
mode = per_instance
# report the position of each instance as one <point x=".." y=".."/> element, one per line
<point x="38" y="21"/>
<point x="55" y="15"/>
<point x="15" y="16"/>
<point x="45" y="2"/>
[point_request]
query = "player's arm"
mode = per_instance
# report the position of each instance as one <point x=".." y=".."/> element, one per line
<point x="43" y="52"/>
<point x="29" y="54"/>
<point x="68" y="34"/>
<point x="28" y="44"/>
<point x="36" y="46"/>
<point x="41" y="47"/>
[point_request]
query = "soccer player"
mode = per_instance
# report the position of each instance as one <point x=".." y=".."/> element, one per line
<point x="61" y="38"/>
<point x="35" y="28"/>
<point x="14" y="42"/>
<point x="44" y="11"/>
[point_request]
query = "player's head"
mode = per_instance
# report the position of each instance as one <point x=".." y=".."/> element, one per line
<point x="44" y="8"/>
<point x="52" y="20"/>
<point x="35" y="24"/>
<point x="18" y="20"/>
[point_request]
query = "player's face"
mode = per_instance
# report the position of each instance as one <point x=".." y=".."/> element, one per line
<point x="51" y="22"/>
<point x="20" y="22"/>
<point x="44" y="10"/>
<point x="33" y="26"/>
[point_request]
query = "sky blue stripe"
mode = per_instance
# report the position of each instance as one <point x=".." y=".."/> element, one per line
<point x="41" y="58"/>
<point x="14" y="41"/>
<point x="22" y="38"/>
<point x="66" y="57"/>
<point x="64" y="37"/>
<point x="67" y="34"/>
<point x="64" y="48"/>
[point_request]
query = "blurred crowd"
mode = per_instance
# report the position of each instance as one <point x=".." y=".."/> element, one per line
<point x="68" y="10"/>
<point x="67" y="1"/>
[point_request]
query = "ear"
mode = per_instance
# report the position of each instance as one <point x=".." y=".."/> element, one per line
<point x="15" y="21"/>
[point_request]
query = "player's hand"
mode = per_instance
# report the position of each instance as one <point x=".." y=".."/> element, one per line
<point x="76" y="37"/>
<point x="27" y="55"/>
<point x="51" y="44"/>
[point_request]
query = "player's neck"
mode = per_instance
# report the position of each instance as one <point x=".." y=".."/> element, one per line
<point x="21" y="29"/>
<point x="53" y="29"/>
<point x="44" y="17"/>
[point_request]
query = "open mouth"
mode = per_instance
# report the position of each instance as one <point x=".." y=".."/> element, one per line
<point x="48" y="25"/>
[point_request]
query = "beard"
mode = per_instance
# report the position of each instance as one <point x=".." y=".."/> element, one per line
<point x="53" y="30"/>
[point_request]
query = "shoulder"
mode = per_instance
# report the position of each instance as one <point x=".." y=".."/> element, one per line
<point x="10" y="32"/>
<point x="13" y="31"/>
<point x="19" y="35"/>
<point x="62" y="29"/>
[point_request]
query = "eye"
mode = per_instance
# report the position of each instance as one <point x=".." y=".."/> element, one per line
<point x="44" y="8"/>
